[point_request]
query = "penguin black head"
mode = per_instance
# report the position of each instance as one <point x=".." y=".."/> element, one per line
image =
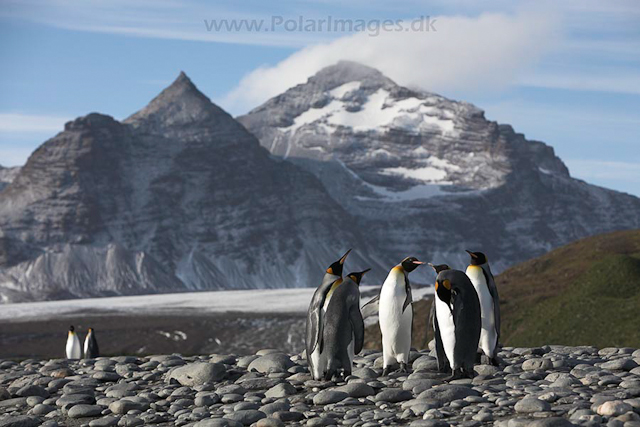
<point x="443" y="289"/>
<point x="71" y="328"/>
<point x="410" y="263"/>
<point x="336" y="267"/>
<point x="440" y="267"/>
<point x="357" y="277"/>
<point x="477" y="258"/>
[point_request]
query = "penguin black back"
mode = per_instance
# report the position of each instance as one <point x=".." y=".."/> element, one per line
<point x="91" y="350"/>
<point x="344" y="326"/>
<point x="454" y="288"/>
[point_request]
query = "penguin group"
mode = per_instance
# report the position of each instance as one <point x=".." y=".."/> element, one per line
<point x="73" y="349"/>
<point x="465" y="319"/>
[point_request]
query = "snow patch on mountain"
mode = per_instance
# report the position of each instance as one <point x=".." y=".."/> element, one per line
<point x="379" y="112"/>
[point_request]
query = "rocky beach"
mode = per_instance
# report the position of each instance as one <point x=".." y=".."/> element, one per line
<point x="541" y="386"/>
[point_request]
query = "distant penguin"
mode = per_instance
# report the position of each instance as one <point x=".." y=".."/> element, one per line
<point x="396" y="315"/>
<point x="459" y="324"/>
<point x="74" y="351"/>
<point x="480" y="274"/>
<point x="443" y="363"/>
<point x="343" y="327"/>
<point x="91" y="350"/>
<point x="315" y="317"/>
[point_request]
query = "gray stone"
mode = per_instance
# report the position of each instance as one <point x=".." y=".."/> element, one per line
<point x="32" y="390"/>
<point x="84" y="411"/>
<point x="537" y="363"/>
<point x="259" y="383"/>
<point x="75" y="399"/>
<point x="41" y="409"/>
<point x="246" y="417"/>
<point x="448" y="392"/>
<point x="274" y="362"/>
<point x="356" y="389"/>
<point x="272" y="408"/>
<point x="551" y="422"/>
<point x="218" y="422"/>
<point x="614" y="408"/>
<point x="365" y="373"/>
<point x="531" y="404"/>
<point x="107" y="421"/>
<point x="19" y="421"/>
<point x="622" y="364"/>
<point x="280" y="390"/>
<point x="207" y="399"/>
<point x="269" y="422"/>
<point x="329" y="396"/>
<point x="393" y="395"/>
<point x="124" y="405"/>
<point x="198" y="373"/>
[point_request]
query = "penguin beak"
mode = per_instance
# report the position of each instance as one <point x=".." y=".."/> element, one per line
<point x="419" y="262"/>
<point x="368" y="269"/>
<point x="344" y="257"/>
<point x="474" y="256"/>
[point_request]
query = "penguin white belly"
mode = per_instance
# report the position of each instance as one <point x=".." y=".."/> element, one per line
<point x="447" y="329"/>
<point x="395" y="324"/>
<point x="86" y="344"/>
<point x="318" y="359"/>
<point x="488" y="334"/>
<point x="73" y="347"/>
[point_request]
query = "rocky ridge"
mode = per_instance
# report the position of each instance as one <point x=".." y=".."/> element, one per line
<point x="431" y="176"/>
<point x="542" y="386"/>
<point x="177" y="197"/>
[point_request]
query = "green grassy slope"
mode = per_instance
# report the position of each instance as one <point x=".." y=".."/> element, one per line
<point x="584" y="293"/>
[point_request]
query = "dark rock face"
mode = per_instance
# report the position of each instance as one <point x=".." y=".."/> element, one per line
<point x="179" y="196"/>
<point x="429" y="176"/>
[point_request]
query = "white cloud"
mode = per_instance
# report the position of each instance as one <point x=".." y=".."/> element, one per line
<point x="482" y="53"/>
<point x="29" y="123"/>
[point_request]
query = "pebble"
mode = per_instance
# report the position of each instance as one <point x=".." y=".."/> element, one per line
<point x="614" y="408"/>
<point x="542" y="386"/>
<point x="329" y="396"/>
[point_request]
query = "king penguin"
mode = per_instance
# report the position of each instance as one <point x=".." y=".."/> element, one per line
<point x="74" y="351"/>
<point x="459" y="324"/>
<point x="343" y="327"/>
<point x="443" y="363"/>
<point x="396" y="315"/>
<point x="91" y="350"/>
<point x="315" y="317"/>
<point x="480" y="274"/>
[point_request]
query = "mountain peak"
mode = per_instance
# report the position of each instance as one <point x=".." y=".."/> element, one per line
<point x="348" y="71"/>
<point x="181" y="103"/>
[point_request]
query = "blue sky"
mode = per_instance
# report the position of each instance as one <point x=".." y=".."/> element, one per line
<point x="565" y="74"/>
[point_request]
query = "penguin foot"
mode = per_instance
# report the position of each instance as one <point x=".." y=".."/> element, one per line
<point x="403" y="368"/>
<point x="495" y="361"/>
<point x="456" y="375"/>
<point x="385" y="371"/>
<point x="485" y="360"/>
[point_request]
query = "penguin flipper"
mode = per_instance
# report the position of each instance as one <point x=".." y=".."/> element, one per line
<point x="409" y="299"/>
<point x="357" y="325"/>
<point x="493" y="290"/>
<point x="371" y="308"/>
<point x="441" y="356"/>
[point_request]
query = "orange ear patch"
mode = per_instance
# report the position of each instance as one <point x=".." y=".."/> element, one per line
<point x="436" y="285"/>
<point x="447" y="284"/>
<point x="330" y="271"/>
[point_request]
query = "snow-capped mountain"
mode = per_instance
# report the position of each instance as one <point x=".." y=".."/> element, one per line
<point x="177" y="197"/>
<point x="428" y="176"/>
